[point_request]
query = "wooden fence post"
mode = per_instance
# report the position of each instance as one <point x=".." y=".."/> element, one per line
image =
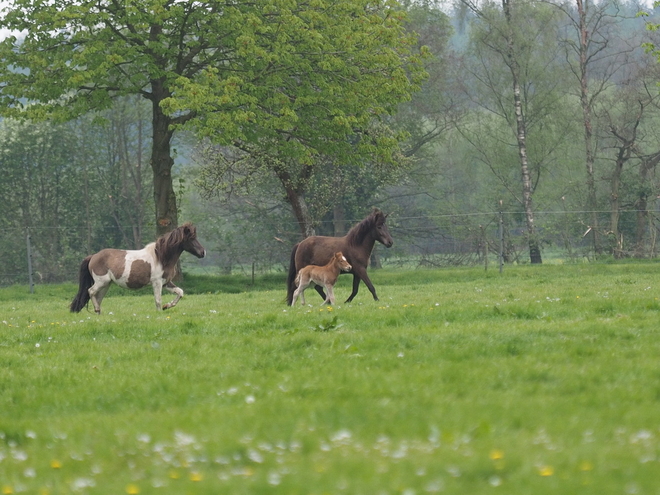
<point x="29" y="260"/>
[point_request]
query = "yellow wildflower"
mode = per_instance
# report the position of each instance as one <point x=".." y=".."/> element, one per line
<point x="496" y="454"/>
<point x="546" y="471"/>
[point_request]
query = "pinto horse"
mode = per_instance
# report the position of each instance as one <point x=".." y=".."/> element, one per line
<point x="325" y="276"/>
<point x="356" y="247"/>
<point x="155" y="264"/>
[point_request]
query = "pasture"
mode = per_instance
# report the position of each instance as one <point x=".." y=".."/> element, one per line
<point x="541" y="380"/>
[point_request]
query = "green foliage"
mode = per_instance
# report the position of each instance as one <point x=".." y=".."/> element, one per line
<point x="70" y="184"/>
<point x="307" y="107"/>
<point x="305" y="79"/>
<point x="329" y="325"/>
<point x="287" y="81"/>
<point x="540" y="379"/>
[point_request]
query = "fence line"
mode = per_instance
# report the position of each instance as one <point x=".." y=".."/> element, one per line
<point x="401" y="218"/>
<point x="53" y="253"/>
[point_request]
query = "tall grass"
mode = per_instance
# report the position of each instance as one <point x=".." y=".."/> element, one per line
<point x="539" y="380"/>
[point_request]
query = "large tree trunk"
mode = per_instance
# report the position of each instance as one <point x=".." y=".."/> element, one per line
<point x="339" y="220"/>
<point x="161" y="164"/>
<point x="534" y="247"/>
<point x="301" y="212"/>
<point x="521" y="132"/>
<point x="296" y="198"/>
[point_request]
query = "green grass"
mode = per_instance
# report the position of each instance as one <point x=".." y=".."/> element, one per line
<point x="540" y="380"/>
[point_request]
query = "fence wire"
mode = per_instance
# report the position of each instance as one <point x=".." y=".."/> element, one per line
<point x="52" y="254"/>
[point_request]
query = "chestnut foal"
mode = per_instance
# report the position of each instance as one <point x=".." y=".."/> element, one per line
<point x="325" y="276"/>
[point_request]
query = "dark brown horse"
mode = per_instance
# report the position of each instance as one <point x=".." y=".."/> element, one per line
<point x="155" y="264"/>
<point x="356" y="246"/>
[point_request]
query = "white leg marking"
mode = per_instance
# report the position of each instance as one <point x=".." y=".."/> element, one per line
<point x="158" y="289"/>
<point x="97" y="292"/>
<point x="174" y="290"/>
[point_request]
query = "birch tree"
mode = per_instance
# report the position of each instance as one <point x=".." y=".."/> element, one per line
<point x="512" y="39"/>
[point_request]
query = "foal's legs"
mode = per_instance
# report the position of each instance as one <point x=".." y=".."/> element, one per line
<point x="303" y="280"/>
<point x="174" y="290"/>
<point x="300" y="291"/>
<point x="331" y="295"/>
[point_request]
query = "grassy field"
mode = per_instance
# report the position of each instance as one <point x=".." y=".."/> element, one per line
<point x="542" y="380"/>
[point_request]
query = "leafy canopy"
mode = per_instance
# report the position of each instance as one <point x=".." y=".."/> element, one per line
<point x="308" y="76"/>
<point x="299" y="76"/>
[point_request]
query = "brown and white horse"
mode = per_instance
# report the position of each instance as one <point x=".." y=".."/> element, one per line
<point x="155" y="264"/>
<point x="325" y="276"/>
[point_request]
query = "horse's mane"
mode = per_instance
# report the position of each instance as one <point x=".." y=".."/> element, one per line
<point x="357" y="234"/>
<point x="168" y="246"/>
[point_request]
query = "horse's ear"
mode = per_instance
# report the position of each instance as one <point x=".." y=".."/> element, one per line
<point x="378" y="213"/>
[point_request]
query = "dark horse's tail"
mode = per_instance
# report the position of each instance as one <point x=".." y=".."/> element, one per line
<point x="86" y="281"/>
<point x="291" y="277"/>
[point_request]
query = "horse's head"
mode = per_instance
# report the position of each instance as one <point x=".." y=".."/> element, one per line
<point x="190" y="242"/>
<point x="381" y="231"/>
<point x="342" y="262"/>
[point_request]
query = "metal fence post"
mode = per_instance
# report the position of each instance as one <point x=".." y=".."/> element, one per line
<point x="29" y="260"/>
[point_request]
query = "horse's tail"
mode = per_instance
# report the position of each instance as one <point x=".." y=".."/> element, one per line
<point x="86" y="281"/>
<point x="291" y="277"/>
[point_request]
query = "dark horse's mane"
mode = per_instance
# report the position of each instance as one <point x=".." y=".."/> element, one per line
<point x="356" y="235"/>
<point x="168" y="246"/>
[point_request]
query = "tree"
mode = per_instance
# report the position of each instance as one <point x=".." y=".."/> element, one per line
<point x="295" y="77"/>
<point x="123" y="169"/>
<point x="594" y="58"/>
<point x="513" y="50"/>
<point x="631" y="122"/>
<point x="312" y="190"/>
<point x="41" y="187"/>
<point x="321" y="99"/>
<point x="432" y="111"/>
<point x="76" y="186"/>
<point x="73" y="57"/>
